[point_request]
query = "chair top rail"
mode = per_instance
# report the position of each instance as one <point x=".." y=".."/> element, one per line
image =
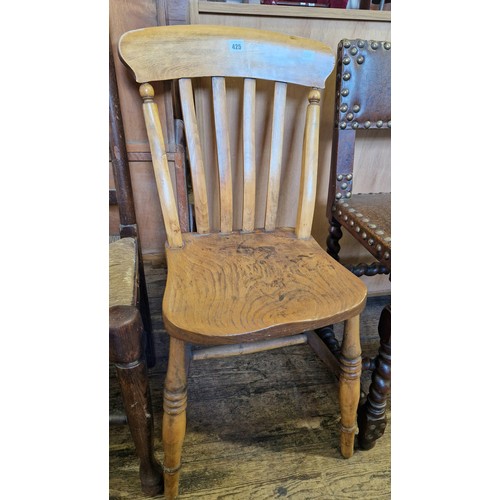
<point x="191" y="51"/>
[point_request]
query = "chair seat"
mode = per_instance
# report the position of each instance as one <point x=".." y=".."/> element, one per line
<point x="239" y="287"/>
<point x="123" y="272"/>
<point x="368" y="218"/>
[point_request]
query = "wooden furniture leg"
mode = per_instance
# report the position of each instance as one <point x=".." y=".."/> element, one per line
<point x="126" y="332"/>
<point x="333" y="239"/>
<point x="174" y="416"/>
<point x="372" y="419"/>
<point x="349" y="385"/>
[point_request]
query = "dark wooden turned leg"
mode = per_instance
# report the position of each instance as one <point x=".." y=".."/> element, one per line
<point x="349" y="385"/>
<point x="146" y="317"/>
<point x="131" y="370"/>
<point x="174" y="416"/>
<point x="333" y="240"/>
<point x="372" y="419"/>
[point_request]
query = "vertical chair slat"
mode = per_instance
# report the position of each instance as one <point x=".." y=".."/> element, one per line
<point x="273" y="187"/>
<point x="223" y="154"/>
<point x="195" y="156"/>
<point x="160" y="166"/>
<point x="249" y="155"/>
<point x="309" y="170"/>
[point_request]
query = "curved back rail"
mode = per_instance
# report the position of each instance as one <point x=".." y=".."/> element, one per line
<point x="187" y="52"/>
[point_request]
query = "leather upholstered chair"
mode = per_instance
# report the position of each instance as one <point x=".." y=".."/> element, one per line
<point x="242" y="291"/>
<point x="363" y="101"/>
<point x="130" y="334"/>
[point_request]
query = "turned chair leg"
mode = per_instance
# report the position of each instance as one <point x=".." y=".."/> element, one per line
<point x="349" y="385"/>
<point x="174" y="416"/>
<point x="372" y="418"/>
<point x="333" y="239"/>
<point x="127" y="357"/>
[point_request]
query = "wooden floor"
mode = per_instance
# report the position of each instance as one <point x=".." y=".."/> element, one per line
<point x="260" y="426"/>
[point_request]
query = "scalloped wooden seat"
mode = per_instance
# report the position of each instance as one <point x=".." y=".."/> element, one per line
<point x="242" y="287"/>
<point x="241" y="291"/>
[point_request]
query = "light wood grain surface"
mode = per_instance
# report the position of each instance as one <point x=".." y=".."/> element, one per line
<point x="245" y="286"/>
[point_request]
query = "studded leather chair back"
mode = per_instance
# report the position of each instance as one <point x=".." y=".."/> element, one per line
<point x="363" y="101"/>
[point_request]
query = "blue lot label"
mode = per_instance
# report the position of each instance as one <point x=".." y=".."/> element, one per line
<point x="236" y="45"/>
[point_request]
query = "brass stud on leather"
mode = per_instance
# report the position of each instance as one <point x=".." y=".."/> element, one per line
<point x="345" y="217"/>
<point x="357" y="229"/>
<point x="374" y="45"/>
<point x="388" y="239"/>
<point x="351" y="210"/>
<point x="340" y="177"/>
<point x="360" y="60"/>
<point x="356" y="108"/>
<point x="359" y="214"/>
<point x="372" y="226"/>
<point x="346" y="44"/>
<point x="343" y="125"/>
<point x="367" y="124"/>
<point x="365" y="219"/>
<point x="346" y="76"/>
<point x="351" y="223"/>
<point x="379" y="247"/>
<point x="348" y="195"/>
<point x="346" y="60"/>
<point x="361" y="43"/>
<point x="338" y="196"/>
<point x="371" y="242"/>
<point x="345" y="92"/>
<point x="379" y="232"/>
<point x="379" y="123"/>
<point x="355" y="125"/>
<point x="387" y="45"/>
<point x="339" y="212"/>
<point x="349" y="116"/>
<point x="387" y="255"/>
<point x="349" y="177"/>
<point x="343" y="185"/>
<point x="354" y="51"/>
<point x="343" y="108"/>
<point x="364" y="235"/>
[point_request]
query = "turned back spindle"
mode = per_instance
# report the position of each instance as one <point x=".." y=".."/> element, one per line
<point x="189" y="52"/>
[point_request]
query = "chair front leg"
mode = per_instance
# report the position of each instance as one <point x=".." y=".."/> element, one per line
<point x="372" y="419"/>
<point x="349" y="385"/>
<point x="174" y="416"/>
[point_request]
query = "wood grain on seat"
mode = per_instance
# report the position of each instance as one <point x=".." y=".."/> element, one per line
<point x="237" y="287"/>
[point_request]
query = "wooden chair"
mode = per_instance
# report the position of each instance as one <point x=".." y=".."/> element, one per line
<point x="363" y="101"/>
<point x="130" y="333"/>
<point x="242" y="291"/>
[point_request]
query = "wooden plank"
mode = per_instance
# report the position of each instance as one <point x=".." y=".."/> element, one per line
<point x="223" y="154"/>
<point x="195" y="156"/>
<point x="291" y="11"/>
<point x="239" y="53"/>
<point x="274" y="182"/>
<point x="249" y="155"/>
<point x="161" y="169"/>
<point x="309" y="171"/>
<point x="251" y="348"/>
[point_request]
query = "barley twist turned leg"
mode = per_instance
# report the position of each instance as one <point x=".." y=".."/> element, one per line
<point x="349" y="385"/>
<point x="174" y="416"/>
<point x="372" y="419"/>
<point x="333" y="239"/>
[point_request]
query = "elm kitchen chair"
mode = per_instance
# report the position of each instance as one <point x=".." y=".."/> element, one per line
<point x="130" y="333"/>
<point x="248" y="290"/>
<point x="363" y="101"/>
